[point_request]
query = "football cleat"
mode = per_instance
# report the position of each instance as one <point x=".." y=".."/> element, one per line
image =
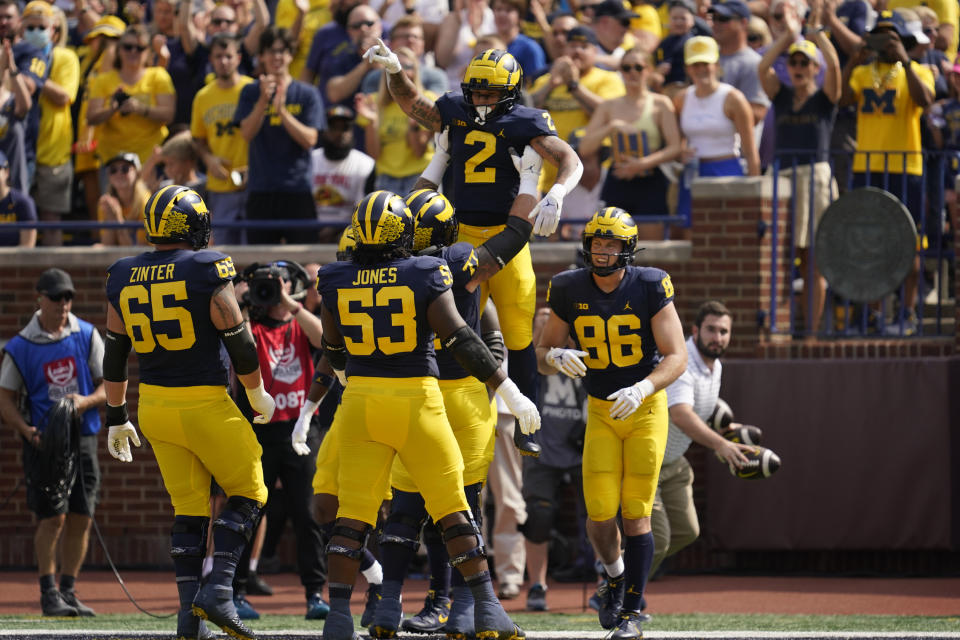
<point x="460" y="623"/>
<point x="215" y="603"/>
<point x="433" y="616"/>
<point x="317" y="609"/>
<point x="611" y="601"/>
<point x="387" y="619"/>
<point x="628" y="626"/>
<point x="370" y="608"/>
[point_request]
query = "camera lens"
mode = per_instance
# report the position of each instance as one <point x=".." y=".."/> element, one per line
<point x="265" y="293"/>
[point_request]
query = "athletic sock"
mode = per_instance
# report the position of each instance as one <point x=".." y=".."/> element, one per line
<point x="638" y="557"/>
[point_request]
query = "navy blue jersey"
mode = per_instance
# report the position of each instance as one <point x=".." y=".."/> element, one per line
<point x="614" y="328"/>
<point x="164" y="300"/>
<point x="462" y="260"/>
<point x="381" y="310"/>
<point x="481" y="158"/>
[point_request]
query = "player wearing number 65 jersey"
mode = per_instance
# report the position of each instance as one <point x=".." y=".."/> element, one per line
<point x="629" y="348"/>
<point x="379" y="314"/>
<point x="481" y="127"/>
<point x="174" y="306"/>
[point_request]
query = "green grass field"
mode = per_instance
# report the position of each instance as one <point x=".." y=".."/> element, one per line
<point x="548" y="622"/>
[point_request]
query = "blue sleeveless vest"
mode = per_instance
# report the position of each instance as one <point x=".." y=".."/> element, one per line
<point x="56" y="369"/>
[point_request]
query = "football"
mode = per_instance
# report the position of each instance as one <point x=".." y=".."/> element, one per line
<point x="721" y="417"/>
<point x="744" y="434"/>
<point x="761" y="463"/>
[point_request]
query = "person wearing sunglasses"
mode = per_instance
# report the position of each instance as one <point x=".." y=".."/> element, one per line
<point x="643" y="130"/>
<point x="803" y="125"/>
<point x="224" y="18"/>
<point x="713" y="115"/>
<point x="123" y="200"/>
<point x="574" y="89"/>
<point x="132" y="104"/>
<point x="56" y="355"/>
<point x="738" y="61"/>
<point x="344" y="71"/>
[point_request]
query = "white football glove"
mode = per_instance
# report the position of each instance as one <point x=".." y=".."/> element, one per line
<point x="520" y="406"/>
<point x="381" y="55"/>
<point x="118" y="441"/>
<point x="629" y="399"/>
<point x="261" y="402"/>
<point x="299" y="436"/>
<point x="568" y="361"/>
<point x="547" y="211"/>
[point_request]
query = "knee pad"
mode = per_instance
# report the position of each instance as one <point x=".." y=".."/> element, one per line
<point x="539" y="522"/>
<point x="470" y="529"/>
<point x="188" y="537"/>
<point x="339" y="530"/>
<point x="473" y="493"/>
<point x="402" y="529"/>
<point x="432" y="534"/>
<point x="239" y="515"/>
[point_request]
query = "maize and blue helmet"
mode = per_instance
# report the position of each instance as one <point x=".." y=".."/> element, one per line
<point x="435" y="222"/>
<point x="177" y="214"/>
<point x="610" y="222"/>
<point x="493" y="69"/>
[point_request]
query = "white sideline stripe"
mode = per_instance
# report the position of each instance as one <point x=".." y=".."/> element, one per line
<point x="542" y="635"/>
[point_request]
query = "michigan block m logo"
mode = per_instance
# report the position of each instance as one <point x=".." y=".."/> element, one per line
<point x="872" y="100"/>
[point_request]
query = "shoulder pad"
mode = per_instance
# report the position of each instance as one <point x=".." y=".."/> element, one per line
<point x="208" y="256"/>
<point x="650" y="274"/>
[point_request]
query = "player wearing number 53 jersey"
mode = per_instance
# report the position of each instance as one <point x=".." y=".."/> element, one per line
<point x="629" y="347"/>
<point x="481" y="127"/>
<point x="379" y="315"/>
<point x="174" y="306"/>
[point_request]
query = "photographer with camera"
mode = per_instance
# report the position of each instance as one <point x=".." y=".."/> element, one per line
<point x="284" y="333"/>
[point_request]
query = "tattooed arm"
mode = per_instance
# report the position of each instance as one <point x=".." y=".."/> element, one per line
<point x="562" y="156"/>
<point x="414" y="103"/>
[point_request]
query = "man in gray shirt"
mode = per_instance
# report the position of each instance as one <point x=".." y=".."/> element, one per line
<point x="691" y="399"/>
<point x="737" y="60"/>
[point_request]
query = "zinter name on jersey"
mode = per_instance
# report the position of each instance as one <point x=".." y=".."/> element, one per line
<point x="163" y="298"/>
<point x="483" y="190"/>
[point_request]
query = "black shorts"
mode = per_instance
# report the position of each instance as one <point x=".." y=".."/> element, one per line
<point x="86" y="487"/>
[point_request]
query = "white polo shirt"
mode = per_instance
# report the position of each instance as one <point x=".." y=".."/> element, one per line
<point x="700" y="388"/>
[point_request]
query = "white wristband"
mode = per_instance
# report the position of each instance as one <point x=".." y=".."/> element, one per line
<point x="571" y="183"/>
<point x="529" y="184"/>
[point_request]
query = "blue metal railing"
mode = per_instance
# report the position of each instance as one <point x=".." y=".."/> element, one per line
<point x="842" y="317"/>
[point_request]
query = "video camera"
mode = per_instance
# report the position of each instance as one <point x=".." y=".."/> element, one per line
<point x="264" y="282"/>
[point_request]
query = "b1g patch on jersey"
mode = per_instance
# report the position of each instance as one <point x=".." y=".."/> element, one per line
<point x="225" y="268"/>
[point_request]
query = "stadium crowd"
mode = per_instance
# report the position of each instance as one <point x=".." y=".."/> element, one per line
<point x="104" y="101"/>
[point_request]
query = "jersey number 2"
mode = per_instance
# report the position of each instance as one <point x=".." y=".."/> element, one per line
<point x="605" y="342"/>
<point x="364" y="298"/>
<point x="156" y="297"/>
<point x="473" y="174"/>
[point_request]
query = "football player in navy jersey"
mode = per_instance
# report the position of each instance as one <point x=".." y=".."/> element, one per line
<point x="629" y="348"/>
<point x="481" y="127"/>
<point x="472" y="418"/>
<point x="379" y="314"/>
<point x="174" y="306"/>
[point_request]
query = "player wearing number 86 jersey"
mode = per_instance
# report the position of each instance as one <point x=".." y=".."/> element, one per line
<point x="628" y="335"/>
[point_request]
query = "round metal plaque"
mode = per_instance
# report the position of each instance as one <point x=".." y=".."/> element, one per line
<point x="865" y="244"/>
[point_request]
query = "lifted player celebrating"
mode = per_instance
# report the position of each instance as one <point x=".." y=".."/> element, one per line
<point x="630" y="339"/>
<point x="483" y="125"/>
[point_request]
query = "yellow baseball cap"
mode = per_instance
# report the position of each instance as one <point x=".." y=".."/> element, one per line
<point x="109" y="26"/>
<point x="40" y="8"/>
<point x="805" y="47"/>
<point x="700" y="49"/>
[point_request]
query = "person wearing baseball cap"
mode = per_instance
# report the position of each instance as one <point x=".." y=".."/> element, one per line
<point x="713" y="115"/>
<point x="804" y="121"/>
<point x="573" y="89"/>
<point x="342" y="175"/>
<point x="56" y="361"/>
<point x="684" y="24"/>
<point x="737" y="60"/>
<point x="890" y="92"/>
<point x="611" y="24"/>
<point x="15" y="206"/>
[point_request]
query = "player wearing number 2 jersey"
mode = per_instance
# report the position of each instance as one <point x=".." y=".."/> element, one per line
<point x="629" y="347"/>
<point x="482" y="126"/>
<point x="379" y="315"/>
<point x="174" y="306"/>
